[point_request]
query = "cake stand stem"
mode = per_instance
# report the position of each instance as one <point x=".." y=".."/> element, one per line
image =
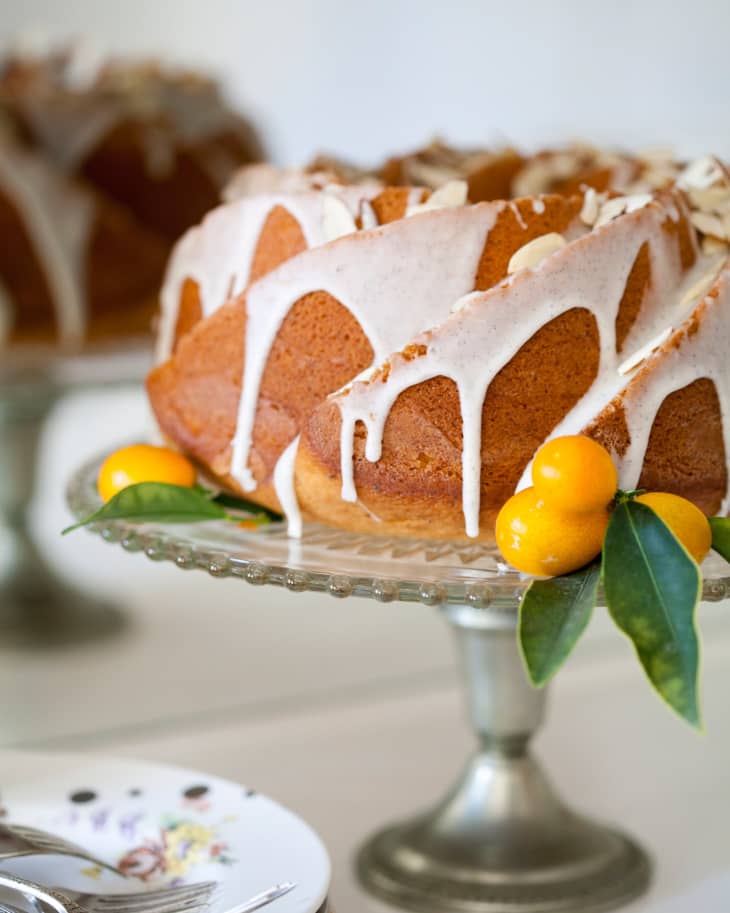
<point x="501" y="841"/>
<point x="36" y="607"/>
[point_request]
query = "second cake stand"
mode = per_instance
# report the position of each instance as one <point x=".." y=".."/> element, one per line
<point x="501" y="841"/>
<point x="38" y="608"/>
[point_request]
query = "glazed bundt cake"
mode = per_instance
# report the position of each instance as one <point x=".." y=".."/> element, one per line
<point x="506" y="173"/>
<point x="74" y="266"/>
<point x="102" y="165"/>
<point x="397" y="376"/>
<point x="271" y="216"/>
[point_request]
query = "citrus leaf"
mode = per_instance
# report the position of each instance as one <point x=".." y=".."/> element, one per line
<point x="553" y="615"/>
<point x="156" y="502"/>
<point x="721" y="536"/>
<point x="652" y="588"/>
<point x="237" y="503"/>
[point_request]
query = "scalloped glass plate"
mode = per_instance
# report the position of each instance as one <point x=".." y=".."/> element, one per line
<point x="331" y="560"/>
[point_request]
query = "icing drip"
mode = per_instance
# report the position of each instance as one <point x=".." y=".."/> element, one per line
<point x="489" y="328"/>
<point x="611" y="383"/>
<point x="518" y="215"/>
<point x="58" y="218"/>
<point x="218" y="253"/>
<point x="394" y="290"/>
<point x="285" y="490"/>
<point x="698" y="354"/>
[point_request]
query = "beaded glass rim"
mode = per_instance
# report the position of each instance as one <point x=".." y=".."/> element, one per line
<point x="333" y="561"/>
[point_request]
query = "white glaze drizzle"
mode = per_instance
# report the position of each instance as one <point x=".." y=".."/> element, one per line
<point x="611" y="383"/>
<point x="702" y="354"/>
<point x="484" y="334"/>
<point x="518" y="215"/>
<point x="285" y="489"/>
<point x="396" y="280"/>
<point x="218" y="253"/>
<point x="57" y="217"/>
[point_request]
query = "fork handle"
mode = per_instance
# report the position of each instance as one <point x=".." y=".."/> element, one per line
<point x="57" y="901"/>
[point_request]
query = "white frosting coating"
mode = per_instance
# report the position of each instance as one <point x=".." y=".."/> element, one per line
<point x="490" y="327"/>
<point x="684" y="358"/>
<point x="264" y="178"/>
<point x="58" y="217"/>
<point x="218" y="253"/>
<point x="396" y="280"/>
<point x="285" y="490"/>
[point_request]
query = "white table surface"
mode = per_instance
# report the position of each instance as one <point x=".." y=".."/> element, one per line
<point x="349" y="711"/>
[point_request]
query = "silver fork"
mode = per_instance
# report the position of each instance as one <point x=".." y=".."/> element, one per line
<point x="163" y="900"/>
<point x="20" y="840"/>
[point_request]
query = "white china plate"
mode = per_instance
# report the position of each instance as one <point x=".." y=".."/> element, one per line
<point x="163" y="825"/>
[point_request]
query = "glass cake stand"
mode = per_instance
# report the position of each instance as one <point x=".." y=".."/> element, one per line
<point x="501" y="841"/>
<point x="36" y="606"/>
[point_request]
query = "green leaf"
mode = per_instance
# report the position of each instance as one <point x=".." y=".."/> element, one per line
<point x="652" y="588"/>
<point x="156" y="502"/>
<point x="236" y="503"/>
<point x="553" y="615"/>
<point x="721" y="536"/>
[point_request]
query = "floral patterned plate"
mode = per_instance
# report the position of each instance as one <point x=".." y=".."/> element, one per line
<point x="161" y="825"/>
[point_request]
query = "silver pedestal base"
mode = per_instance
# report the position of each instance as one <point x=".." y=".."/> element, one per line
<point x="37" y="608"/>
<point x="502" y="841"/>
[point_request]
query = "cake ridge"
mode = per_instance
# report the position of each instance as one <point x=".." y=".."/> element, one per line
<point x="218" y="254"/>
<point x="372" y="275"/>
<point x="519" y="307"/>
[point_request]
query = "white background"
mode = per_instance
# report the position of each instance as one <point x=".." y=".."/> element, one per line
<point x="380" y="75"/>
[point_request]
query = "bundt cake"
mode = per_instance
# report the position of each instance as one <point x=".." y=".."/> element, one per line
<point x="102" y="165"/>
<point x="396" y="376"/>
<point x="270" y="216"/>
<point x="506" y="173"/>
<point x="74" y="266"/>
<point x="161" y="142"/>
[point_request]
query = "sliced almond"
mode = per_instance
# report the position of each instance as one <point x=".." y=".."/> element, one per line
<point x="539" y="175"/>
<point x="592" y="203"/>
<point x="710" y="199"/>
<point x="454" y="193"/>
<point x="337" y="220"/>
<point x="535" y="251"/>
<point x="430" y="175"/>
<point x="699" y="289"/>
<point x="709" y="225"/>
<point x="612" y="209"/>
<point x="368" y="218"/>
<point x="712" y="246"/>
<point x="702" y="173"/>
<point x="633" y="361"/>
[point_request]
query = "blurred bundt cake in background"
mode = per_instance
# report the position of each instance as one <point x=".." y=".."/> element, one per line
<point x="103" y="164"/>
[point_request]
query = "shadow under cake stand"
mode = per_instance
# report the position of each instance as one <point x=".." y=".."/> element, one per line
<point x="36" y="606"/>
<point x="501" y="841"/>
